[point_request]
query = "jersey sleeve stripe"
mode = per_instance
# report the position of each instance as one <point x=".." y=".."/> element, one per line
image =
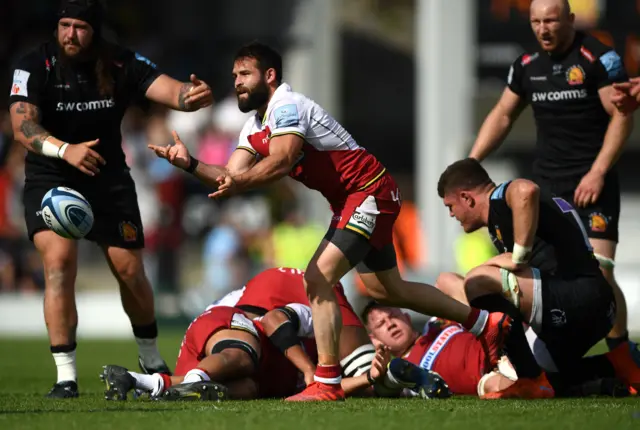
<point x="287" y="132"/>
<point x="371" y="182"/>
<point x="246" y="148"/>
<point x="498" y="193"/>
<point x="358" y="230"/>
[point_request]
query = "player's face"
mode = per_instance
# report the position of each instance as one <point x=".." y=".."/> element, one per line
<point x="74" y="36"/>
<point x="461" y="207"/>
<point x="551" y="24"/>
<point x="391" y="327"/>
<point x="251" y="85"/>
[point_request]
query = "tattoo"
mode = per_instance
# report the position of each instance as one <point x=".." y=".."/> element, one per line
<point x="21" y="108"/>
<point x="37" y="145"/>
<point x="182" y="95"/>
<point x="30" y="128"/>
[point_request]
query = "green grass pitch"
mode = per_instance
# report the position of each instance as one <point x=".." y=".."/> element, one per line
<point x="27" y="371"/>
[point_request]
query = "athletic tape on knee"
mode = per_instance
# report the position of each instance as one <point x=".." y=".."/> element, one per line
<point x="483" y="381"/>
<point x="605" y="262"/>
<point x="236" y="344"/>
<point x="510" y="287"/>
<point x="196" y="375"/>
<point x="359" y="361"/>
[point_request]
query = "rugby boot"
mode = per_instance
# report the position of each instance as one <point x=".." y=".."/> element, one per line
<point x="150" y="371"/>
<point x="626" y="363"/>
<point x="495" y="335"/>
<point x="64" y="390"/>
<point x="196" y="391"/>
<point x="428" y="384"/>
<point x="319" y="392"/>
<point x="118" y="382"/>
<point x="525" y="388"/>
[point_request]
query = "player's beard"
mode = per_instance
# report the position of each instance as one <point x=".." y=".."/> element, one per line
<point x="256" y="98"/>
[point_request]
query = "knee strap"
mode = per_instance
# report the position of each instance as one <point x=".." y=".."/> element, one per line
<point x="236" y="344"/>
<point x="510" y="287"/>
<point x="605" y="262"/>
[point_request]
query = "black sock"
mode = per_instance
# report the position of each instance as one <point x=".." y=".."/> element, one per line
<point x="516" y="347"/>
<point x="613" y="342"/>
<point x="62" y="348"/>
<point x="149" y="331"/>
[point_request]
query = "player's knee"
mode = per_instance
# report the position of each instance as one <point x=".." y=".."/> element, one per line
<point x="130" y="271"/>
<point x="315" y="283"/>
<point x="448" y="282"/>
<point x="479" y="281"/>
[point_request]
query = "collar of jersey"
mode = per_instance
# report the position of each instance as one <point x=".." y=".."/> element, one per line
<point x="279" y="92"/>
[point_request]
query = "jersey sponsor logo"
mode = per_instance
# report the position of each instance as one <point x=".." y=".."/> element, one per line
<point x="20" y="81"/>
<point x="612" y="64"/>
<point x="557" y="69"/>
<point x="429" y="358"/>
<point x="587" y="54"/>
<point x="241" y="322"/>
<point x="598" y="222"/>
<point x="128" y="231"/>
<point x="363" y="219"/>
<point x="576" y="75"/>
<point x="556" y="96"/>
<point x="286" y="116"/>
<point x="260" y="141"/>
<point x="526" y="59"/>
<point x="85" y="106"/>
<point x="145" y="60"/>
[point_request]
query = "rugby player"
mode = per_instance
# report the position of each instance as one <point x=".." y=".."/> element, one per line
<point x="292" y="135"/>
<point x="580" y="133"/>
<point x="571" y="306"/>
<point x="67" y="100"/>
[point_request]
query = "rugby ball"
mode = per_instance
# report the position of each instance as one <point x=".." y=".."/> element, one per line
<point x="67" y="212"/>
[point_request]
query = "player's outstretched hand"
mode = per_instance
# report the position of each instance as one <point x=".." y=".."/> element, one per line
<point x="380" y="362"/>
<point x="199" y="96"/>
<point x="176" y="154"/>
<point x="83" y="158"/>
<point x="588" y="189"/>
<point x="226" y="187"/>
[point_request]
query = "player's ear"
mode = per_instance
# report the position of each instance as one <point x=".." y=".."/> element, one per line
<point x="572" y="18"/>
<point x="270" y="75"/>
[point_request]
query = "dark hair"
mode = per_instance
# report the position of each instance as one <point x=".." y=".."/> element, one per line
<point x="266" y="57"/>
<point x="466" y="174"/>
<point x="364" y="315"/>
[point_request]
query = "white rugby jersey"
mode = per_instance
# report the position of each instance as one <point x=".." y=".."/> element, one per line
<point x="331" y="162"/>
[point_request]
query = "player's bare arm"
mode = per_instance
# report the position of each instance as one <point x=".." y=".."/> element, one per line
<point x="25" y="121"/>
<point x="284" y="152"/>
<point x="240" y="161"/>
<point x="497" y="124"/>
<point x="523" y="197"/>
<point x="182" y="96"/>
<point x="617" y="134"/>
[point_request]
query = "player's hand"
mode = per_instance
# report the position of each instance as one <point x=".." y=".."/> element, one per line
<point x="588" y="189"/>
<point x="83" y="158"/>
<point x="626" y="97"/>
<point x="504" y="261"/>
<point x="199" y="96"/>
<point x="226" y="187"/>
<point x="380" y="362"/>
<point x="176" y="154"/>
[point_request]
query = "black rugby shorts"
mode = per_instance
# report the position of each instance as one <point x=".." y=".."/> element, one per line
<point x="115" y="208"/>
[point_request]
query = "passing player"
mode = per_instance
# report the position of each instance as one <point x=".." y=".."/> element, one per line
<point x="571" y="307"/>
<point x="67" y="100"/>
<point x="580" y="133"/>
<point x="292" y="135"/>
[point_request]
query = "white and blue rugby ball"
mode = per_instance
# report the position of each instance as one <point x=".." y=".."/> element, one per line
<point x="67" y="212"/>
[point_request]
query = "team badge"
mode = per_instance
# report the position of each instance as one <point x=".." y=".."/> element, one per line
<point x="576" y="75"/>
<point x="128" y="231"/>
<point x="598" y="222"/>
<point x="498" y="234"/>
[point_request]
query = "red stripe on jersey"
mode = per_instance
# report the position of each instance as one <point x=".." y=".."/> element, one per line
<point x="587" y="54"/>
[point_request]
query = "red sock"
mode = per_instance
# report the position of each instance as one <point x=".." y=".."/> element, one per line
<point x="166" y="379"/>
<point x="330" y="375"/>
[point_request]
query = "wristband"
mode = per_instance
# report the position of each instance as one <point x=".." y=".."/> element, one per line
<point x="369" y="378"/>
<point x="521" y="254"/>
<point x="193" y="163"/>
<point x="50" y="149"/>
<point x="62" y="149"/>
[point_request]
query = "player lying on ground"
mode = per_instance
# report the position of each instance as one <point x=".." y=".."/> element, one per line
<point x="458" y="357"/>
<point x="292" y="135"/>
<point x="546" y="268"/>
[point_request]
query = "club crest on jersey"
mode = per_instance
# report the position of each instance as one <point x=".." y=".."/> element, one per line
<point x="128" y="231"/>
<point x="576" y="75"/>
<point x="498" y="234"/>
<point x="598" y="222"/>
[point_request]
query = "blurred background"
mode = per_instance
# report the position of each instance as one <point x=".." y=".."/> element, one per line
<point x="412" y="80"/>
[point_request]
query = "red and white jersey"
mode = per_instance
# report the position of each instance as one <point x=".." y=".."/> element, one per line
<point x="331" y="161"/>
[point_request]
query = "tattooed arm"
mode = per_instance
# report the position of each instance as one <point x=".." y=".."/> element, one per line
<point x="25" y="120"/>
<point x="183" y="96"/>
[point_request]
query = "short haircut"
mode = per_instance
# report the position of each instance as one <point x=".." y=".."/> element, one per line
<point x="364" y="315"/>
<point x="266" y="57"/>
<point x="466" y="174"/>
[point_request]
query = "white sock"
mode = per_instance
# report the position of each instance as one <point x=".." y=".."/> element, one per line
<point x="148" y="351"/>
<point x="66" y="364"/>
<point x="150" y="383"/>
